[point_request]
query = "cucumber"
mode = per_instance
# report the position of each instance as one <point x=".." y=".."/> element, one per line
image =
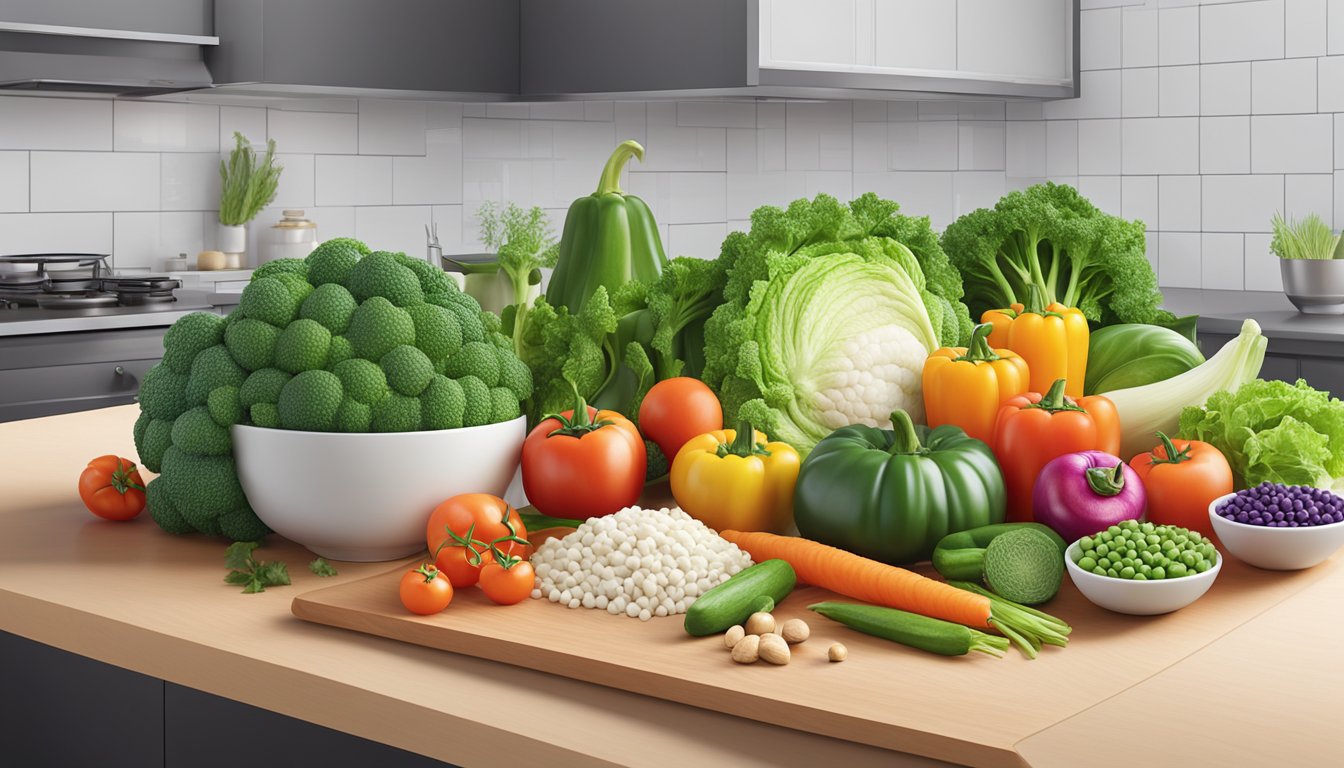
<point x="752" y="589"/>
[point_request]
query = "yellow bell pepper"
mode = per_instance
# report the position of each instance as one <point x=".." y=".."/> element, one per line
<point x="733" y="479"/>
<point x="965" y="386"/>
<point x="1053" y="341"/>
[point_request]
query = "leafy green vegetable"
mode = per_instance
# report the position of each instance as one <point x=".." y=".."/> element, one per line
<point x="680" y="302"/>
<point x="820" y="328"/>
<point x="1135" y="354"/>
<point x="524" y="244"/>
<point x="322" y="568"/>
<point x="252" y="575"/>
<point x="1145" y="411"/>
<point x="246" y="184"/>
<point x="1273" y="431"/>
<point x="1306" y="238"/>
<point x="1050" y="236"/>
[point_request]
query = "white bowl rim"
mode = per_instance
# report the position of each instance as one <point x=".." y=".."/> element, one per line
<point x="1216" y="518"/>
<point x="1144" y="583"/>
<point x="454" y="430"/>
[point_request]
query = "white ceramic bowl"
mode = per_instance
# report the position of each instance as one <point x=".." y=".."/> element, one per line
<point x="1141" y="598"/>
<point x="1276" y="549"/>
<point x="367" y="497"/>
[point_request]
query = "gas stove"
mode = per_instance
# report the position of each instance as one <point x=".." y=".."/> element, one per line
<point x="78" y="281"/>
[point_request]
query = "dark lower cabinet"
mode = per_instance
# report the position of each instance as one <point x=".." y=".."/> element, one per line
<point x="62" y="710"/>
<point x="1321" y="363"/>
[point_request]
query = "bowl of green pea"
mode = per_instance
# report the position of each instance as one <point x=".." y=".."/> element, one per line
<point x="1142" y="568"/>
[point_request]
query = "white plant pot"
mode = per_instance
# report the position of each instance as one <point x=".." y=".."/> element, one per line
<point x="232" y="240"/>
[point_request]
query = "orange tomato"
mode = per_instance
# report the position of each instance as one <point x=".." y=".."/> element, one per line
<point x="479" y="517"/>
<point x="507" y="586"/>
<point x="676" y="410"/>
<point x="1181" y="478"/>
<point x="112" y="489"/>
<point x="425" y="590"/>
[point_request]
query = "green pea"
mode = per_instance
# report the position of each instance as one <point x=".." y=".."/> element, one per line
<point x="1177" y="570"/>
<point x="1159" y="573"/>
<point x="1153" y="538"/>
<point x="1131" y="553"/>
<point x="1146" y="569"/>
<point x="1114" y="574"/>
<point x="1102" y="549"/>
<point x="1087" y="563"/>
<point x="1114" y="530"/>
<point x="1114" y="556"/>
<point x="1140" y="577"/>
<point x="1099" y="571"/>
<point x="1189" y="558"/>
<point x="1202" y="566"/>
<point x="1086" y="543"/>
<point x="1208" y="551"/>
<point x="1147" y="527"/>
<point x="1127" y="572"/>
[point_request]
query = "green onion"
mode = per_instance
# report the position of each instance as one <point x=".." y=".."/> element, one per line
<point x="1305" y="238"/>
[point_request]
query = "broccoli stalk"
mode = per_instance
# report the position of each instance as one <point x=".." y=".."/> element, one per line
<point x="523" y="242"/>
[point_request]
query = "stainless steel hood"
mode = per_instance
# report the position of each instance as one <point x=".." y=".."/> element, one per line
<point x="115" y="62"/>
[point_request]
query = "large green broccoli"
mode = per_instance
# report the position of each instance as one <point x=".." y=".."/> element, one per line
<point x="1050" y="237"/>
<point x="343" y="341"/>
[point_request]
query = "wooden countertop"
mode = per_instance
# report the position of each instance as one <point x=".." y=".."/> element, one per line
<point x="131" y="595"/>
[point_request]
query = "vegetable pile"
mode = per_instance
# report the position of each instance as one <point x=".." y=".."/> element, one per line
<point x="342" y="341"/>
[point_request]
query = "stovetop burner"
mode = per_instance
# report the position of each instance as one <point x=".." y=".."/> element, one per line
<point x="82" y="287"/>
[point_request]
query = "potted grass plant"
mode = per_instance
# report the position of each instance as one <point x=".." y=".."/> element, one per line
<point x="1311" y="262"/>
<point x="249" y="185"/>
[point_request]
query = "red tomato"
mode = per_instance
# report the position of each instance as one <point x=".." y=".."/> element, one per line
<point x="425" y="590"/>
<point x="112" y="489"/>
<point x="676" y="410"/>
<point x="480" y="515"/>
<point x="507" y="586"/>
<point x="581" y="468"/>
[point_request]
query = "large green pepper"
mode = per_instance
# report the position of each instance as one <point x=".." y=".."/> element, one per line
<point x="892" y="494"/>
<point x="610" y="238"/>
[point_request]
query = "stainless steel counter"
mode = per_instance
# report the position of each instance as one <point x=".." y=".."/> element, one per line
<point x="26" y="321"/>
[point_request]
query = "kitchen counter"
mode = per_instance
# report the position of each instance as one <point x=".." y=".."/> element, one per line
<point x="133" y="596"/>
<point x="1222" y="312"/>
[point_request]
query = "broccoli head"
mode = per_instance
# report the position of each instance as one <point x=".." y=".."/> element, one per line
<point x="320" y="344"/>
<point x="1050" y="238"/>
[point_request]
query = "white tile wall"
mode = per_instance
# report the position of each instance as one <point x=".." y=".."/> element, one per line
<point x="1199" y="117"/>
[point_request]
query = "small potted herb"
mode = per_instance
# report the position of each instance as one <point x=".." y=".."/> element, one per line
<point x="249" y="185"/>
<point x="1312" y="264"/>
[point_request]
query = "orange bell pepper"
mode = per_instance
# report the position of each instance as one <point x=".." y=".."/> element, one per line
<point x="966" y="385"/>
<point x="1032" y="429"/>
<point x="1053" y="340"/>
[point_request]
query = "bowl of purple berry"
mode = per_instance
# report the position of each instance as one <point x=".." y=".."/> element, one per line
<point x="1279" y="527"/>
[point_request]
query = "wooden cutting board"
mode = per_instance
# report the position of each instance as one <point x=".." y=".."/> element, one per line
<point x="971" y="710"/>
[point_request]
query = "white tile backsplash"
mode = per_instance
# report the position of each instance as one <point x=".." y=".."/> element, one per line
<point x="314" y="132"/>
<point x="155" y="126"/>
<point x="1244" y="92"/>
<point x="41" y="123"/>
<point x="13" y="181"/>
<point x="1291" y="143"/>
<point x="1241" y="31"/>
<point x="94" y="181"/>
<point x="353" y="180"/>
<point x="1285" y="86"/>
<point x="392" y="127"/>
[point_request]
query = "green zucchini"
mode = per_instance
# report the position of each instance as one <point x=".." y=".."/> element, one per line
<point x="752" y="589"/>
<point x="922" y="632"/>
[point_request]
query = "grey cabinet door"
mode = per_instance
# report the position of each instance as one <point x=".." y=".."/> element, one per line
<point x="183" y="17"/>
<point x="468" y="46"/>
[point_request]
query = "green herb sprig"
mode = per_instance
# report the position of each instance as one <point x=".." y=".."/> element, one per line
<point x="1305" y="238"/>
<point x="322" y="568"/>
<point x="252" y="575"/>
<point x="249" y="184"/>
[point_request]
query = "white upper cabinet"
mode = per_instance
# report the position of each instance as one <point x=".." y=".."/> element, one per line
<point x="1004" y="42"/>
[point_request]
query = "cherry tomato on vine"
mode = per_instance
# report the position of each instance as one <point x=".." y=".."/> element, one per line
<point x="425" y="590"/>
<point x="508" y="585"/>
<point x="478" y="517"/>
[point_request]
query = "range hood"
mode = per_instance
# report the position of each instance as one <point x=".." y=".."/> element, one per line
<point x="114" y="62"/>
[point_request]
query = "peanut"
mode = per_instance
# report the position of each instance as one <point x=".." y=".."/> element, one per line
<point x="774" y="650"/>
<point x="760" y="623"/>
<point x="734" y="634"/>
<point x="747" y="650"/>
<point x="795" y="631"/>
<point x="837" y="652"/>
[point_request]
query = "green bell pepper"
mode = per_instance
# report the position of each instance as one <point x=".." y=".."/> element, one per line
<point x="892" y="494"/>
<point x="961" y="556"/>
<point x="610" y="238"/>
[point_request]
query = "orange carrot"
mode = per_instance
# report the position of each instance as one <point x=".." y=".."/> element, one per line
<point x="858" y="577"/>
